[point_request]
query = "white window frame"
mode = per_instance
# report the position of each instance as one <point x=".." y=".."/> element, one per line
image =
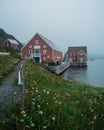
<point x="44" y="46"/>
<point x="44" y="58"/>
<point x="37" y="42"/>
<point x="44" y="52"/>
<point x="37" y="47"/>
<point x="30" y="52"/>
<point x="30" y="46"/>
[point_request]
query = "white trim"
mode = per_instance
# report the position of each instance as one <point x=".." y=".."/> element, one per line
<point x="4" y="53"/>
<point x="36" y="46"/>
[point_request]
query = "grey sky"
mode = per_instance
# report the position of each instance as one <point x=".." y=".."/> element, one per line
<point x="65" y="22"/>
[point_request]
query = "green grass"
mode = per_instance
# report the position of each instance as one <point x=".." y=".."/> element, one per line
<point x="7" y="64"/>
<point x="53" y="103"/>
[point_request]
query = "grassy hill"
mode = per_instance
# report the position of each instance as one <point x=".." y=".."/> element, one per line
<point x="7" y="64"/>
<point x="53" y="103"/>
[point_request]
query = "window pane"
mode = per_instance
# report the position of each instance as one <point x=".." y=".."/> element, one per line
<point x="44" y="46"/>
<point x="44" y="52"/>
<point x="36" y="41"/>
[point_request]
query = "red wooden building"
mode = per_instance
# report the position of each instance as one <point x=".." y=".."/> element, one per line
<point x="77" y="56"/>
<point x="11" y="43"/>
<point x="41" y="49"/>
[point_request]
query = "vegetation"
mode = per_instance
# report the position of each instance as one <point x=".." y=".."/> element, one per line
<point x="4" y="36"/>
<point x="7" y="64"/>
<point x="53" y="103"/>
<point x="13" y="53"/>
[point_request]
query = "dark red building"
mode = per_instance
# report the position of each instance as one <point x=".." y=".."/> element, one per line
<point x="41" y="49"/>
<point x="11" y="43"/>
<point x="77" y="55"/>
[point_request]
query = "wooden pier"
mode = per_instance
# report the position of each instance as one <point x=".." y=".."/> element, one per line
<point x="61" y="68"/>
<point x="78" y="64"/>
<point x="58" y="69"/>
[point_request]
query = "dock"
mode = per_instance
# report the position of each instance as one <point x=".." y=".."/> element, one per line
<point x="60" y="68"/>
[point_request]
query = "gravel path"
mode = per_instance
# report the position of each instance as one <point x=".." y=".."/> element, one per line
<point x="7" y="89"/>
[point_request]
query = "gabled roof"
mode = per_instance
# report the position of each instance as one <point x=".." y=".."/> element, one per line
<point x="50" y="43"/>
<point x="47" y="41"/>
<point x="76" y="49"/>
<point x="13" y="41"/>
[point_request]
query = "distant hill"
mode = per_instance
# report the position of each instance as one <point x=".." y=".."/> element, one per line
<point x="4" y="36"/>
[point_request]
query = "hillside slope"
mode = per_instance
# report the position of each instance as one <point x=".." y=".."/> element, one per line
<point x="4" y="36"/>
<point x="53" y="103"/>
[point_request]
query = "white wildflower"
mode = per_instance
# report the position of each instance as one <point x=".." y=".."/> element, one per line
<point x="26" y="90"/>
<point x="27" y="126"/>
<point x="24" y="115"/>
<point x="92" y="110"/>
<point x="38" y="96"/>
<point x="44" y="127"/>
<point x="33" y="103"/>
<point x="32" y="88"/>
<point x="33" y="99"/>
<point x="40" y="112"/>
<point x="92" y="122"/>
<point x="54" y="98"/>
<point x="53" y="118"/>
<point x="47" y="92"/>
<point x="38" y="106"/>
<point x="15" y="93"/>
<point x="22" y="120"/>
<point x="59" y="102"/>
<point x="37" y="91"/>
<point x="56" y="102"/>
<point x="32" y="125"/>
<point x="94" y="117"/>
<point x="22" y="112"/>
<point x="44" y="90"/>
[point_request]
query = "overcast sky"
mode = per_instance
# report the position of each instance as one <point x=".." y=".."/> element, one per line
<point x="65" y="22"/>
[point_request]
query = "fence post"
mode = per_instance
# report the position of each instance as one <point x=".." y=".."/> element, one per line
<point x="21" y="84"/>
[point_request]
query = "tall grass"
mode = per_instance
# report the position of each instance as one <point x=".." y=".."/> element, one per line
<point x="53" y="103"/>
<point x="7" y="64"/>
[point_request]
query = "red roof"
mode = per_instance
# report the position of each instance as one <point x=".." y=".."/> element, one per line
<point x="76" y="49"/>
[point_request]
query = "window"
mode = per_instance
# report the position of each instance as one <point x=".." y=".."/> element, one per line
<point x="37" y="47"/>
<point x="30" y="46"/>
<point x="44" y="58"/>
<point x="7" y="44"/>
<point x="70" y="54"/>
<point x="81" y="52"/>
<point x="36" y="42"/>
<point x="30" y="51"/>
<point x="37" y="53"/>
<point x="44" y="52"/>
<point x="44" y="46"/>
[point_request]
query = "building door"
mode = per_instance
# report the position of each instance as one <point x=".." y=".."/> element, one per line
<point x="37" y="60"/>
<point x="37" y="56"/>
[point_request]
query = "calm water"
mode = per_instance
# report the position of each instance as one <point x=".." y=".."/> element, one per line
<point x="93" y="74"/>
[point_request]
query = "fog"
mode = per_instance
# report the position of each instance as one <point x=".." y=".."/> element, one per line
<point x="65" y="22"/>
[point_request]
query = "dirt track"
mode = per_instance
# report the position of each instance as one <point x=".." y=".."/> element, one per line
<point x="8" y="90"/>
